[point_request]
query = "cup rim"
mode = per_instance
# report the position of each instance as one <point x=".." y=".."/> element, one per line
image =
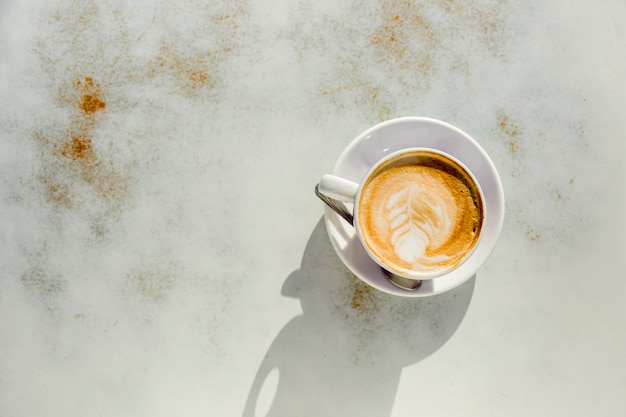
<point x="371" y="254"/>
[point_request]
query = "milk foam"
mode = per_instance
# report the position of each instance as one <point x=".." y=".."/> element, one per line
<point x="417" y="219"/>
<point x="420" y="217"/>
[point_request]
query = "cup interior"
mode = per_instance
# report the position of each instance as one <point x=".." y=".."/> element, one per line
<point x="411" y="237"/>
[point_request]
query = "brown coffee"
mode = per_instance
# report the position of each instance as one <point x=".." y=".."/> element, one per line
<point x="420" y="213"/>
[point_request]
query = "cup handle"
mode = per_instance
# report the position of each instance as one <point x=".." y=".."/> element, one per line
<point x="334" y="191"/>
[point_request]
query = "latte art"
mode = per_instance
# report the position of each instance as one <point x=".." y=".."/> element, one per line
<point x="420" y="213"/>
<point x="417" y="221"/>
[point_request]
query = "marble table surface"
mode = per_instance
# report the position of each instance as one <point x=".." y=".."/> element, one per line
<point x="163" y="252"/>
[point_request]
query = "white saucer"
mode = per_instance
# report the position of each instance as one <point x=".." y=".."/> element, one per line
<point x="410" y="132"/>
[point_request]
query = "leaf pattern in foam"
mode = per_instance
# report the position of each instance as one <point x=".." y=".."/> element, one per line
<point x="416" y="218"/>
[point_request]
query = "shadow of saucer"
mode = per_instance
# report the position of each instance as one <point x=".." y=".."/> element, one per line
<point x="344" y="355"/>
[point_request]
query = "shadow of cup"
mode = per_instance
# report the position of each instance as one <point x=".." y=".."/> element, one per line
<point x="344" y="355"/>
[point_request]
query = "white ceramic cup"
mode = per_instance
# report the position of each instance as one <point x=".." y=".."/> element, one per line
<point x="335" y="191"/>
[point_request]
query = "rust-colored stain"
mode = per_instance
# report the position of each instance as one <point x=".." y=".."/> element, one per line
<point x="196" y="72"/>
<point x="79" y="148"/>
<point x="91" y="100"/>
<point x="57" y="193"/>
<point x="403" y="24"/>
<point x="361" y="296"/>
<point x="560" y="193"/>
<point x="198" y="78"/>
<point x="511" y="130"/>
<point x="507" y="126"/>
<point x="529" y="230"/>
<point x="405" y="47"/>
<point x="190" y="73"/>
<point x="71" y="161"/>
<point x="152" y="283"/>
<point x="89" y="153"/>
<point x="232" y="18"/>
<point x="364" y="301"/>
<point x="40" y="282"/>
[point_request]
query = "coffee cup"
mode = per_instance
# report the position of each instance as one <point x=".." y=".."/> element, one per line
<point x="418" y="212"/>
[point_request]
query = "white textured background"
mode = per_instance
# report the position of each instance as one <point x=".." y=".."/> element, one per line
<point x="161" y="251"/>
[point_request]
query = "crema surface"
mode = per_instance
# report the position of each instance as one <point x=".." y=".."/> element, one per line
<point x="420" y="213"/>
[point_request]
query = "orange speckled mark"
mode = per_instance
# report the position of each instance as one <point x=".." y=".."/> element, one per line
<point x="153" y="284"/>
<point x="79" y="148"/>
<point x="91" y="101"/>
<point x="406" y="45"/>
<point x="198" y="78"/>
<point x="364" y="301"/>
<point x="512" y="130"/>
<point x="531" y="233"/>
<point x="402" y="24"/>
<point x="507" y="126"/>
<point x="190" y="72"/>
<point x="361" y="295"/>
<point x="71" y="157"/>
